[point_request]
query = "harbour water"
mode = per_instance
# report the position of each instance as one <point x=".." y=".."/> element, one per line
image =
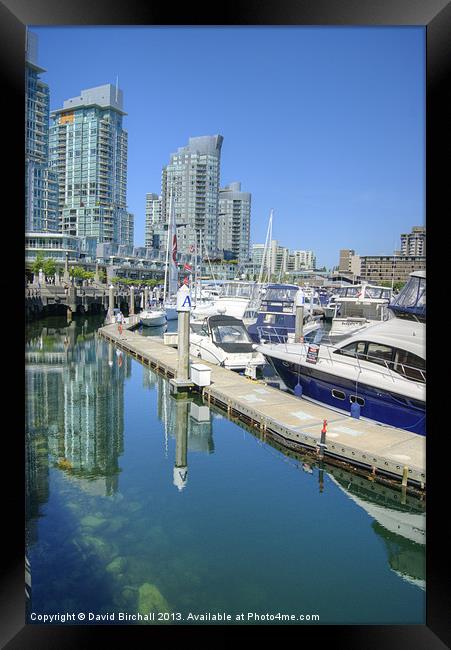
<point x="138" y="503"/>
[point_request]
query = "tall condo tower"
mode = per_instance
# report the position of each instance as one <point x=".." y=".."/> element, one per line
<point x="41" y="190"/>
<point x="88" y="148"/>
<point x="192" y="178"/>
<point x="234" y="222"/>
<point x="153" y="219"/>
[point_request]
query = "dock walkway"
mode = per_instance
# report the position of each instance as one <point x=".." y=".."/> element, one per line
<point x="294" y="422"/>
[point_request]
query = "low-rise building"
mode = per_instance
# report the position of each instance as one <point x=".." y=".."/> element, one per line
<point x="389" y="268"/>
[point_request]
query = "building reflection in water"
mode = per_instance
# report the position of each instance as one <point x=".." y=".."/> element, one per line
<point x="74" y="410"/>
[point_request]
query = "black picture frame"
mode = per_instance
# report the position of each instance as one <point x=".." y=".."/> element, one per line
<point x="435" y="16"/>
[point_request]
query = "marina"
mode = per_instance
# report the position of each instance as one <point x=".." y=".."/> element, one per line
<point x="386" y="453"/>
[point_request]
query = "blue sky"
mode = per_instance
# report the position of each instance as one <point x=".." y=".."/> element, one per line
<point x="326" y="125"/>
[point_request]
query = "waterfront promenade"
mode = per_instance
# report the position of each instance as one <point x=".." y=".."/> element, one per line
<point x="383" y="453"/>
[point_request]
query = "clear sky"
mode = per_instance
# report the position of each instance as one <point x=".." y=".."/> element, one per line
<point x="326" y="125"/>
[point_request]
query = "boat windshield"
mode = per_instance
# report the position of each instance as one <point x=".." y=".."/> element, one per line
<point x="287" y="294"/>
<point x="377" y="293"/>
<point x="238" y="290"/>
<point x="230" y="334"/>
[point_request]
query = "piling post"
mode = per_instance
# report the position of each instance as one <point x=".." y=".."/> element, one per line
<point x="183" y="310"/>
<point x="181" y="444"/>
<point x="299" y="318"/>
<point x="110" y="313"/>
<point x="131" y="309"/>
<point x="66" y="276"/>
<point x="146" y="297"/>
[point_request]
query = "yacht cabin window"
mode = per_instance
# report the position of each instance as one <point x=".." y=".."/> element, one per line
<point x="405" y="363"/>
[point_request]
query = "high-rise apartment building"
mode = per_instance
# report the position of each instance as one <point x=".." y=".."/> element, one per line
<point x="192" y="179"/>
<point x="41" y="190"/>
<point x="414" y="243"/>
<point x="234" y="222"/>
<point x="154" y="220"/>
<point x="302" y="260"/>
<point x="88" y="149"/>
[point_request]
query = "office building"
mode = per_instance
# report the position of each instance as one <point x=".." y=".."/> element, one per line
<point x="88" y="150"/>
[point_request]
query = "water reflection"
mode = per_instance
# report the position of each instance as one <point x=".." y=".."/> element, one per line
<point x="124" y="494"/>
<point x="75" y="406"/>
<point x="399" y="521"/>
<point x="400" y="526"/>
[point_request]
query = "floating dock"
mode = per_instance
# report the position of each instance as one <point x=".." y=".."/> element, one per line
<point x="380" y="452"/>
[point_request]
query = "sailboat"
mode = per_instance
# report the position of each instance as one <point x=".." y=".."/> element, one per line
<point x="171" y="270"/>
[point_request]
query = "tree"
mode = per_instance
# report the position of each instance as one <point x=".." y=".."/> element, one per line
<point x="38" y="264"/>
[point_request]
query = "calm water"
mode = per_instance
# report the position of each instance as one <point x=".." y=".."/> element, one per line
<point x="137" y="502"/>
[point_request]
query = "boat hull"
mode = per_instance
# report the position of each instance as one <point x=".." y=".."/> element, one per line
<point x="380" y="405"/>
<point x="153" y="321"/>
<point x="171" y="313"/>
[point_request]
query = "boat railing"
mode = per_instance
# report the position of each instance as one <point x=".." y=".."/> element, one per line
<point x="274" y="334"/>
<point x="386" y="368"/>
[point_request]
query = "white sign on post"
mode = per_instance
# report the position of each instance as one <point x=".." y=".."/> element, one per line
<point x="183" y="299"/>
<point x="300" y="298"/>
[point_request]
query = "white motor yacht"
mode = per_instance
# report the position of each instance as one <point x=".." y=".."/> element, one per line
<point x="224" y="340"/>
<point x="381" y="369"/>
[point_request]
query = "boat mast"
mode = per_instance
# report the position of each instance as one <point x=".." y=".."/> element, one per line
<point x="265" y="250"/>
<point x="167" y="248"/>
<point x="195" y="266"/>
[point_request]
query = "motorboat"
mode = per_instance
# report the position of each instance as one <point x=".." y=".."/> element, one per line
<point x="378" y="372"/>
<point x="223" y="340"/>
<point x="276" y="316"/>
<point x="236" y="296"/>
<point x="152" y="317"/>
<point x="312" y="301"/>
<point x="358" y="306"/>
<point x="170" y="309"/>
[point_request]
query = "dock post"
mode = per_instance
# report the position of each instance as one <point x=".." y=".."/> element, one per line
<point x="110" y="313"/>
<point x="181" y="444"/>
<point x="183" y="310"/>
<point x="66" y="276"/>
<point x="322" y="444"/>
<point x="146" y="297"/>
<point x="405" y="475"/>
<point x="131" y="309"/>
<point x="299" y="319"/>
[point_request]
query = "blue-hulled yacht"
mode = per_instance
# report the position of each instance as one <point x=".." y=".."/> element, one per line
<point x="378" y="373"/>
<point x="276" y="316"/>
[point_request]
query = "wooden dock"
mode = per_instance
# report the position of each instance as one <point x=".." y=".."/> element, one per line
<point x="381" y="452"/>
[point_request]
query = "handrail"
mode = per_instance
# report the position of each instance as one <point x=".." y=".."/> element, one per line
<point x="393" y="374"/>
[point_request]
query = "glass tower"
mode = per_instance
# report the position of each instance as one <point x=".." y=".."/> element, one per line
<point x="192" y="177"/>
<point x="88" y="149"/>
<point x="234" y="222"/>
<point x="41" y="190"/>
